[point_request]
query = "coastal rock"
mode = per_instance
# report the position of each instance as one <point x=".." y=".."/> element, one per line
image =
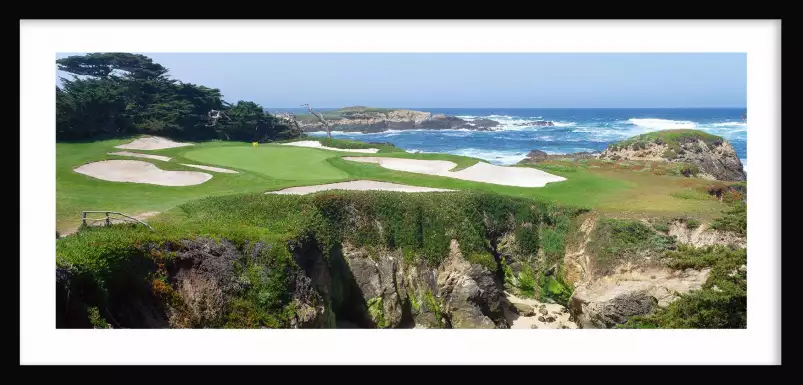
<point x="482" y="124"/>
<point x="612" y="299"/>
<point x="535" y="156"/>
<point x="522" y="309"/>
<point x="536" y="123"/>
<point x="471" y="296"/>
<point x="614" y="311"/>
<point x="714" y="156"/>
<point x="369" y="120"/>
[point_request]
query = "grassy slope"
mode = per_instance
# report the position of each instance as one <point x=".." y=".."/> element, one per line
<point x="670" y="137"/>
<point x="602" y="186"/>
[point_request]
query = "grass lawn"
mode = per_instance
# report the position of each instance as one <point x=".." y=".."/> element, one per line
<point x="608" y="187"/>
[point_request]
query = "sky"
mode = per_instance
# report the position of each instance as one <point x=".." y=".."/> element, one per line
<point x="470" y="80"/>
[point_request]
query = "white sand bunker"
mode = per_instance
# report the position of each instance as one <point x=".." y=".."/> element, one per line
<point x="141" y="172"/>
<point x="480" y="172"/>
<point x="317" y="144"/>
<point x="136" y="155"/>
<point x="359" y="185"/>
<point x="152" y="143"/>
<point x="210" y="168"/>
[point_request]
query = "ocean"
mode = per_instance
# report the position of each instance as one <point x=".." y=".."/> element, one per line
<point x="575" y="130"/>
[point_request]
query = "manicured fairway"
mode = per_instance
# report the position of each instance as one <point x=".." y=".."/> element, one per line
<point x="604" y="187"/>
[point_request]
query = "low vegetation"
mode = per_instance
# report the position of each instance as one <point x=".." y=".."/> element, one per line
<point x="673" y="139"/>
<point x="616" y="241"/>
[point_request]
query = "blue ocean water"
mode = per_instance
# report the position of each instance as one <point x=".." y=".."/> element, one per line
<point x="575" y="130"/>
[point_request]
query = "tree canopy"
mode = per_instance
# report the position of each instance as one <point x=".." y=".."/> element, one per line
<point x="115" y="94"/>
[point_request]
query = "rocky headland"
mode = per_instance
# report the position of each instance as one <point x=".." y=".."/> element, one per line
<point x="370" y="120"/>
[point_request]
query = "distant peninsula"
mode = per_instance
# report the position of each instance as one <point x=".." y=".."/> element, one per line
<point x="370" y="120"/>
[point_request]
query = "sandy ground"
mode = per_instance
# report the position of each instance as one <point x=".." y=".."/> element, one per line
<point x="136" y="155"/>
<point x="141" y="172"/>
<point x="152" y="143"/>
<point x="360" y="185"/>
<point x="480" y="172"/>
<point x="210" y="168"/>
<point x="558" y="312"/>
<point x="317" y="144"/>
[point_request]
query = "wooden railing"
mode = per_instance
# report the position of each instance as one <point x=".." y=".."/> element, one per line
<point x="108" y="218"/>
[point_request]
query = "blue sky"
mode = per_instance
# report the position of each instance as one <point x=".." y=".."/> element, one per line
<point x="475" y="80"/>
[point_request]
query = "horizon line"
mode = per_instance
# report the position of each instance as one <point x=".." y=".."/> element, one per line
<point x="544" y="108"/>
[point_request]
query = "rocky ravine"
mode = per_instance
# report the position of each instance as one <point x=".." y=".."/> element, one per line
<point x="355" y="288"/>
<point x="371" y="121"/>
<point x="600" y="302"/>
<point x="717" y="160"/>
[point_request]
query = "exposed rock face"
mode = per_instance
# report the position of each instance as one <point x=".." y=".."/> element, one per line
<point x="716" y="160"/>
<point x="704" y="235"/>
<point x="472" y="297"/>
<point x="393" y="294"/>
<point x="605" y="301"/>
<point x="616" y="310"/>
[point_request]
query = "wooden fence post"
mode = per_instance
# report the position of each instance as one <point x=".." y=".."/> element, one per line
<point x="108" y="220"/>
<point x="83" y="218"/>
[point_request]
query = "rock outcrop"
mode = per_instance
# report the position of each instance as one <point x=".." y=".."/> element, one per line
<point x="384" y="291"/>
<point x="715" y="157"/>
<point x="613" y="299"/>
<point x="538" y="156"/>
<point x="359" y="119"/>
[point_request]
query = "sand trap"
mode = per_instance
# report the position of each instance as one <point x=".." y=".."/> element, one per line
<point x="359" y="185"/>
<point x="480" y="172"/>
<point x="152" y="143"/>
<point x="136" y="155"/>
<point x="210" y="168"/>
<point x="317" y="144"/>
<point x="141" y="172"/>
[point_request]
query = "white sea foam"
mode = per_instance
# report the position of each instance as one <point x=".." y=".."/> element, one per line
<point x="662" y="124"/>
<point x="564" y="124"/>
<point x="744" y="164"/>
<point x="499" y="157"/>
<point x="729" y="124"/>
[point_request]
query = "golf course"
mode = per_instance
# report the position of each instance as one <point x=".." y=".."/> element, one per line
<point x="234" y="217"/>
<point x="620" y="187"/>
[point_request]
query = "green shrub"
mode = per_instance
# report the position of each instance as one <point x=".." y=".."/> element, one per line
<point x="734" y="219"/>
<point x="614" y="241"/>
<point x="661" y="227"/>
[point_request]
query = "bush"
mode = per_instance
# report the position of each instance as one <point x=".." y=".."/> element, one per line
<point x="614" y="241"/>
<point x="734" y="220"/>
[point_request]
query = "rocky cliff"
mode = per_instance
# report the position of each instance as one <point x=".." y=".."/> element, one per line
<point x="361" y="260"/>
<point x="713" y="155"/>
